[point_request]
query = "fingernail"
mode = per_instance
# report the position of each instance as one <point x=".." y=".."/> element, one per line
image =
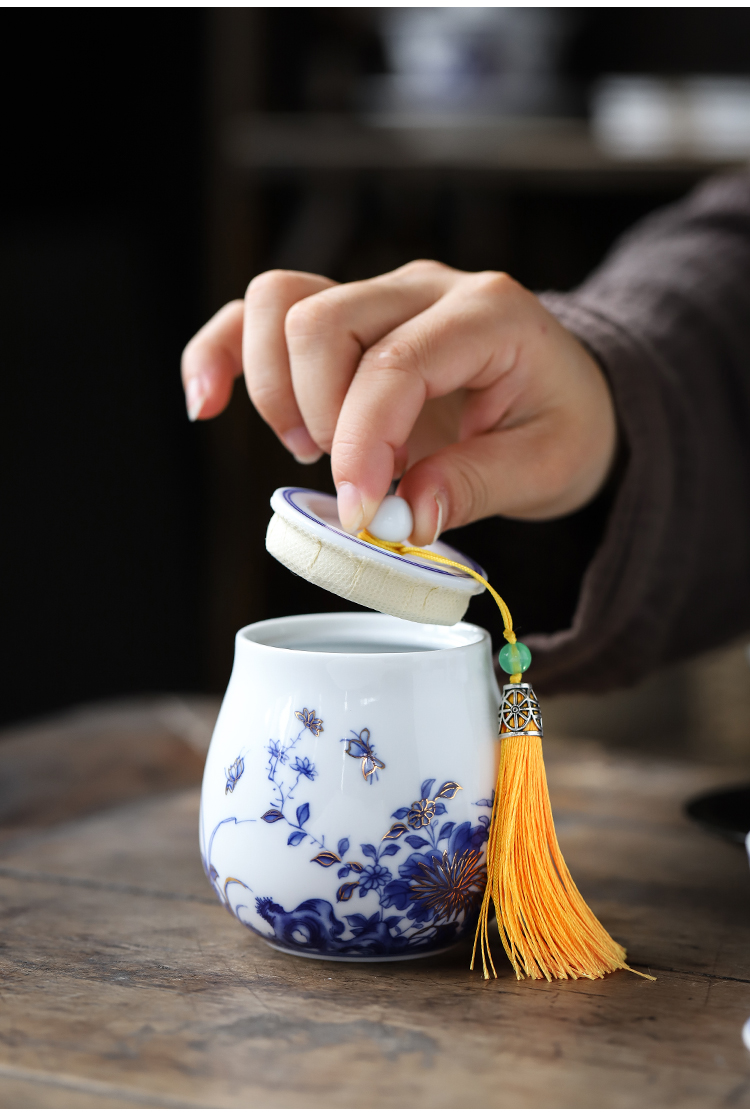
<point x="196" y="391"/>
<point x="298" y="442"/>
<point x="440" y="501"/>
<point x="351" y="509"/>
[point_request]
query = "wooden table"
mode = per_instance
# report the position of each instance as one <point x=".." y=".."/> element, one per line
<point x="125" y="984"/>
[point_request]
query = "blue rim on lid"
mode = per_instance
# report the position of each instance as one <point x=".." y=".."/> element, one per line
<point x="291" y="497"/>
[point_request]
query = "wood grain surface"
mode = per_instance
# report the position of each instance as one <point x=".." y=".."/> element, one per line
<point x="125" y="984"/>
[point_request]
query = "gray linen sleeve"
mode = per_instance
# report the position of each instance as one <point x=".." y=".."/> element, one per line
<point x="668" y="318"/>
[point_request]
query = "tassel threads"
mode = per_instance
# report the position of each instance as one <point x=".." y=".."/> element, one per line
<point x="546" y="927"/>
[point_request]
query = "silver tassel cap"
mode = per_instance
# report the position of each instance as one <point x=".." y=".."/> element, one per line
<point x="519" y="712"/>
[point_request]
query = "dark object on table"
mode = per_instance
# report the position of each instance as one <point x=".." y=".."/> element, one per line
<point x="725" y="812"/>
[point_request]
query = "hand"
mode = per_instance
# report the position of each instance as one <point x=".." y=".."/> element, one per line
<point x="461" y="384"/>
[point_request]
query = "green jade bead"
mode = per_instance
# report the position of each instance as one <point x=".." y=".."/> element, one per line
<point x="514" y="658"/>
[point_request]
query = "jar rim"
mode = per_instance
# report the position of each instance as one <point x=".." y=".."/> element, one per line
<point x="359" y="633"/>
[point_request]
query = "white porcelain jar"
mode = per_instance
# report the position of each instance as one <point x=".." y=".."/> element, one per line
<point x="348" y="787"/>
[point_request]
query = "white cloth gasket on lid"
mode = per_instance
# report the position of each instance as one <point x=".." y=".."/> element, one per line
<point x="306" y="536"/>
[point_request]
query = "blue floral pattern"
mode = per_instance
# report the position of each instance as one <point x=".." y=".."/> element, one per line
<point x="284" y="789"/>
<point x="309" y="720"/>
<point x="424" y="902"/>
<point x="233" y="773"/>
<point x="304" y="767"/>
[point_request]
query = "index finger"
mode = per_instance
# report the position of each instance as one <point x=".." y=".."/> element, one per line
<point x="460" y="341"/>
<point x="211" y="361"/>
<point x="269" y="298"/>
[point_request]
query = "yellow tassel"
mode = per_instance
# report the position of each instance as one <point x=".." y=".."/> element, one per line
<point x="546" y="927"/>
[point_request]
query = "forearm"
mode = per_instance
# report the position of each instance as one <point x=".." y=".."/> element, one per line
<point x="668" y="319"/>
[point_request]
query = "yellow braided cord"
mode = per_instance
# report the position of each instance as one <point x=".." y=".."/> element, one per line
<point x="546" y="927"/>
<point x="433" y="556"/>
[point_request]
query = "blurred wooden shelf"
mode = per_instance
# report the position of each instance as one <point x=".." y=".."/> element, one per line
<point x="515" y="149"/>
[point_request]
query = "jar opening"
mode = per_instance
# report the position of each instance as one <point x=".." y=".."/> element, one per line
<point x="359" y="634"/>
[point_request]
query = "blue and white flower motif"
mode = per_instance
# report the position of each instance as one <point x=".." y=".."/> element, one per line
<point x="233" y="773"/>
<point x="373" y="877"/>
<point x="309" y="720"/>
<point x="422" y="811"/>
<point x="424" y="903"/>
<point x="441" y="884"/>
<point x="284" y="790"/>
<point x="426" y="876"/>
<point x="305" y="767"/>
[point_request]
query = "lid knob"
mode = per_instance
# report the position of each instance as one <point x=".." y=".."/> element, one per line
<point x="393" y="521"/>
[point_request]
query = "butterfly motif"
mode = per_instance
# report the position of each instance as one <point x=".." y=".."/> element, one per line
<point x="360" y="748"/>
<point x="309" y="720"/>
<point x="233" y="773"/>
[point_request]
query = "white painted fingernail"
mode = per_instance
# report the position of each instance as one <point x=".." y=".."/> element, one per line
<point x="299" y="442"/>
<point x="441" y="516"/>
<point x="196" y="391"/>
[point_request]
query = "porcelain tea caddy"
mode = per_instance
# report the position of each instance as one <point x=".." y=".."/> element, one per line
<point x="356" y="805"/>
<point x="348" y="788"/>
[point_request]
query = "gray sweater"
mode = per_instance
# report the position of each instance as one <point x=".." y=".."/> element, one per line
<point x="668" y="318"/>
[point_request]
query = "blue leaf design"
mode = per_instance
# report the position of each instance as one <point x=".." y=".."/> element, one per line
<point x="426" y="789"/>
<point x="325" y="858"/>
<point x="390" y="850"/>
<point x="393" y="921"/>
<point x="440" y="808"/>
<point x="402" y="812"/>
<point x="343" y="872"/>
<point x="446" y="830"/>
<point x="448" y="790"/>
<point x="295" y="838"/>
<point x="369" y="851"/>
<point x="303" y="813"/>
<point x="461" y="838"/>
<point x="411" y="865"/>
<point x="363" y="890"/>
<point x="272" y="816"/>
<point x="415" y="842"/>
<point x="343" y="846"/>
<point x="484" y="819"/>
<point x="419" y="913"/>
<point x="355" y="920"/>
<point x="397" y="894"/>
<point x="483" y="803"/>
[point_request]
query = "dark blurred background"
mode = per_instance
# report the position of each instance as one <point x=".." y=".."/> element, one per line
<point x="156" y="159"/>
